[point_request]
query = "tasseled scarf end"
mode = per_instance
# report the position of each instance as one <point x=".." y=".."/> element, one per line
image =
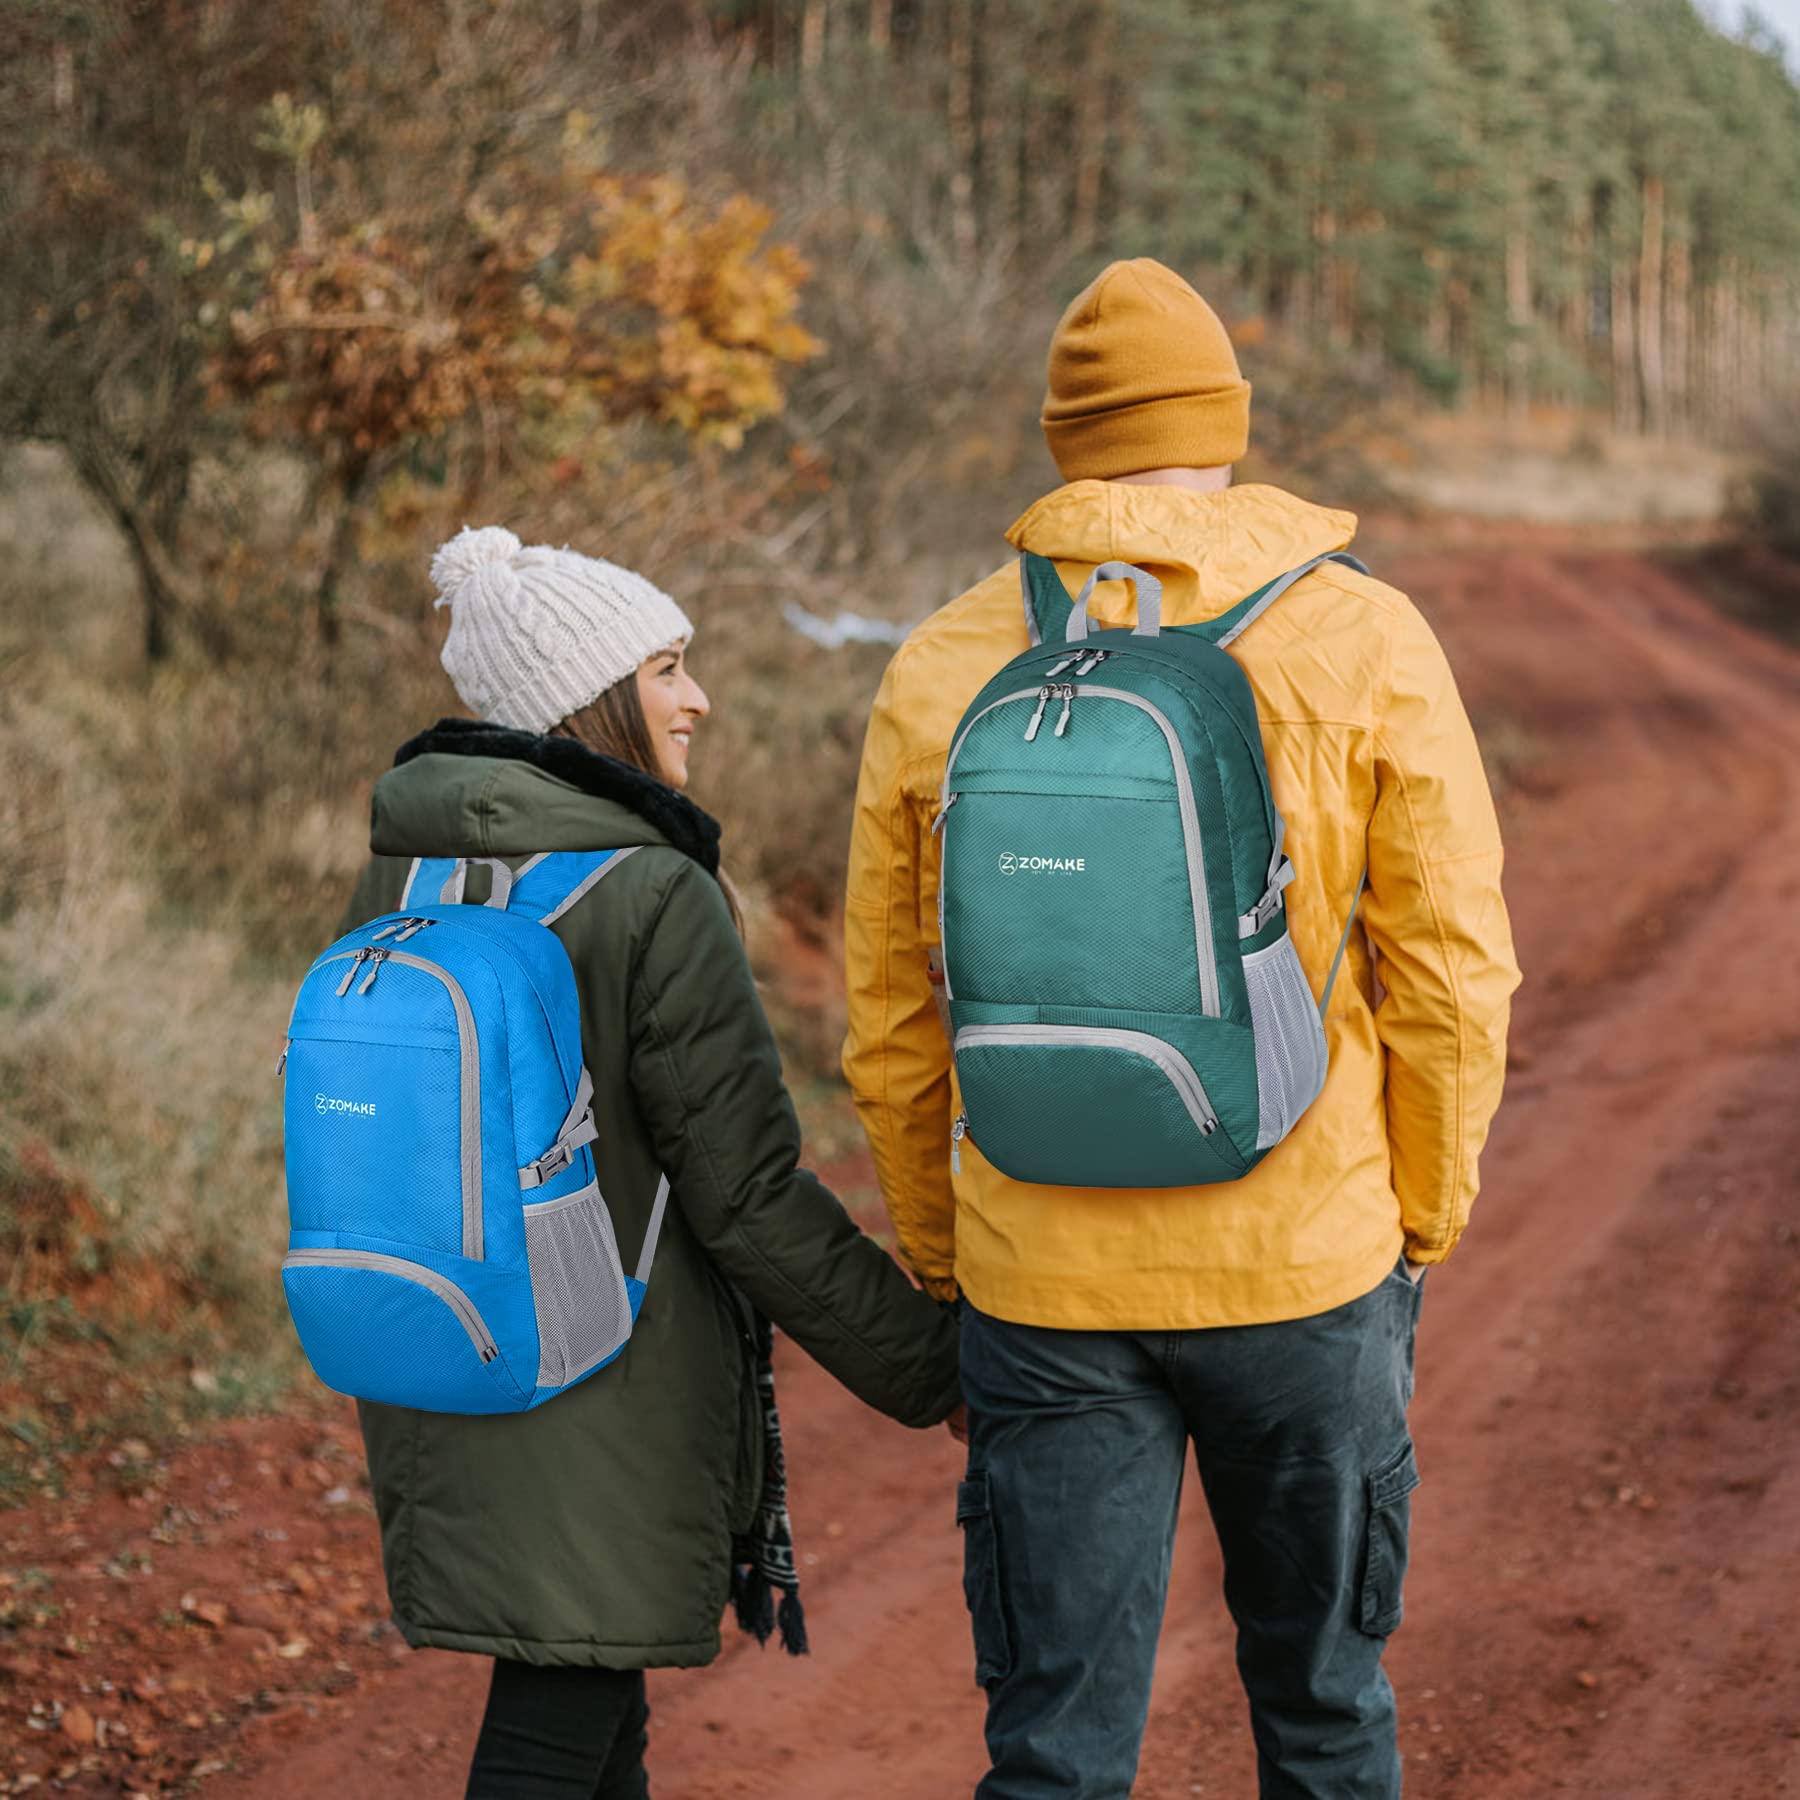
<point x="753" y="1601"/>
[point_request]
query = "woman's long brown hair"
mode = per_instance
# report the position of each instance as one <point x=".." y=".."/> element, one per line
<point x="613" y="723"/>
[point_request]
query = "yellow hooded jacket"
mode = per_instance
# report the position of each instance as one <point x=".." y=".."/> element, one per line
<point x="1371" y="757"/>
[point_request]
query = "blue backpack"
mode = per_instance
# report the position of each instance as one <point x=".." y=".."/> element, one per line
<point x="449" y="1247"/>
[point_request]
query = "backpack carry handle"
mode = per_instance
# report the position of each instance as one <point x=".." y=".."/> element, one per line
<point x="1149" y="600"/>
<point x="451" y="892"/>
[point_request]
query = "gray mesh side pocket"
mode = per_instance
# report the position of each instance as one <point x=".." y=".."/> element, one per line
<point x="577" y="1285"/>
<point x="1290" y="1041"/>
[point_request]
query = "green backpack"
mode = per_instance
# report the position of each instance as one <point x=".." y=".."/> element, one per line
<point x="1126" y="1005"/>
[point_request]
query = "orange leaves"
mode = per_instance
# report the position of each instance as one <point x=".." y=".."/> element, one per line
<point x="587" y="297"/>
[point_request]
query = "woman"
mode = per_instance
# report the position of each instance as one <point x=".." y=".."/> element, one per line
<point x="602" y="1534"/>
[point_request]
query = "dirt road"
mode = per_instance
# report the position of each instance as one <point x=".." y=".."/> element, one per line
<point x="1607" y="1542"/>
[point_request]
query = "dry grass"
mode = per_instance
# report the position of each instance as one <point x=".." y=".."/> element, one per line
<point x="1561" y="469"/>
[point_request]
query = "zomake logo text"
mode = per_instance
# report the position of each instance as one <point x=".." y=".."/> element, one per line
<point x="1011" y="864"/>
<point x="325" y="1103"/>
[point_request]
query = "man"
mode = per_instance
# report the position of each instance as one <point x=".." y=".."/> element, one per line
<point x="1268" y="1321"/>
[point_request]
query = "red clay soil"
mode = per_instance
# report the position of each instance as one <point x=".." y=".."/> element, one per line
<point x="1607" y="1543"/>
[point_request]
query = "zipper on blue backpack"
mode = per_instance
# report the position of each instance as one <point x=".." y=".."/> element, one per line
<point x="356" y="962"/>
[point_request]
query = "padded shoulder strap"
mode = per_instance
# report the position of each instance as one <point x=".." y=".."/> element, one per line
<point x="1231" y="625"/>
<point x="549" y="884"/>
<point x="1047" y="602"/>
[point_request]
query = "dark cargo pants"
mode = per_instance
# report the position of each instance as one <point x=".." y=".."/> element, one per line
<point x="1076" y="1452"/>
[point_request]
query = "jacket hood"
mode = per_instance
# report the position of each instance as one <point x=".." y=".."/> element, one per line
<point x="1210" y="550"/>
<point x="469" y="788"/>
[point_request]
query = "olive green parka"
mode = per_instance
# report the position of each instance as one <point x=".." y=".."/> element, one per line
<point x="597" y="1529"/>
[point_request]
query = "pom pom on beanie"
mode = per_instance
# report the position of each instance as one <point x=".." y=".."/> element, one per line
<point x="472" y="549"/>
<point x="536" y="633"/>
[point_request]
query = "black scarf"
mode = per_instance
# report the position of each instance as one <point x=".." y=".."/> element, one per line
<point x="762" y="1558"/>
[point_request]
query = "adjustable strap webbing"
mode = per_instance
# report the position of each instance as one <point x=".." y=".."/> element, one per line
<point x="577" y="1128"/>
<point x="652" y="1232"/>
<point x="1343" y="942"/>
<point x="1250" y="923"/>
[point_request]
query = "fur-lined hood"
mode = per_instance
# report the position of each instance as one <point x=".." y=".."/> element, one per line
<point x="468" y="788"/>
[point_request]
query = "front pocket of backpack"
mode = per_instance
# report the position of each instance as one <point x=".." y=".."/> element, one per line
<point x="362" y="1103"/>
<point x="1089" y="1106"/>
<point x="386" y="1328"/>
<point x="1027" y="878"/>
<point x="584" y="1311"/>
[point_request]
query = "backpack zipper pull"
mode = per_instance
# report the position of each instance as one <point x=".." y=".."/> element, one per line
<point x="376" y="959"/>
<point x="1037" y="718"/>
<point x="356" y="962"/>
<point x="937" y="824"/>
<point x="281" y="1060"/>
<point x="1057" y="668"/>
<point x="958" y="1131"/>
<point x="413" y="928"/>
<point x="1068" y="699"/>
<point x="1094" y="659"/>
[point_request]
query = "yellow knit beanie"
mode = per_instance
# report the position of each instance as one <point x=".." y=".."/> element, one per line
<point x="1143" y="376"/>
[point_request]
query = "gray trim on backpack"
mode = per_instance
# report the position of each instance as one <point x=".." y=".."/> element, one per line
<point x="412" y="875"/>
<point x="581" y="887"/>
<point x="473" y="1245"/>
<point x="1181" y="1074"/>
<point x="1195" y="845"/>
<point x="376" y="1262"/>
<point x="1149" y="600"/>
<point x="1279" y="587"/>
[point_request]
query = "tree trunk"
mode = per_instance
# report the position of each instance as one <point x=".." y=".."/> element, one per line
<point x="1678" y="373"/>
<point x="999" y="159"/>
<point x="1091" y="130"/>
<point x="962" y="127"/>
<point x="163" y="586"/>
<point x="881" y="26"/>
<point x="1627" y="414"/>
<point x="337" y="557"/>
<point x="812" y="36"/>
<point x="1653" y="374"/>
<point x="1518" y="309"/>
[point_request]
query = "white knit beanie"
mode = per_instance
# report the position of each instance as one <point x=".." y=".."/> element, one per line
<point x="536" y="633"/>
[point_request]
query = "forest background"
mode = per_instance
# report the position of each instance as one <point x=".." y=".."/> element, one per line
<point x="753" y="297"/>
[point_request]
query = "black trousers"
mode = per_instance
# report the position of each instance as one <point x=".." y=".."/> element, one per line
<point x="562" y="1734"/>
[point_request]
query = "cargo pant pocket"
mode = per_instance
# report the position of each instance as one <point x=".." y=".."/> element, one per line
<point x="981" y="1579"/>
<point x="1384" y="1548"/>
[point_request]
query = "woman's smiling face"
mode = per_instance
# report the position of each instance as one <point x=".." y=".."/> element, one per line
<point x="674" y="703"/>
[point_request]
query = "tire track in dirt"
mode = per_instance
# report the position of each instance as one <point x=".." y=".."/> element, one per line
<point x="1604" y="1544"/>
